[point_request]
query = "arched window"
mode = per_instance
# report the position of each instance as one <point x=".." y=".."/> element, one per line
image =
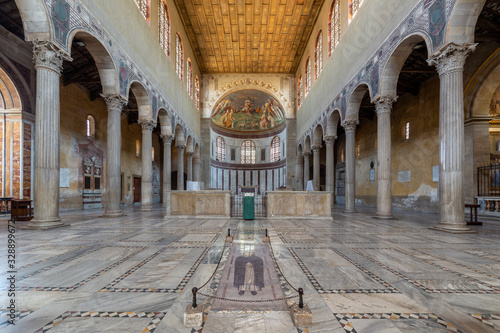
<point x="318" y="55"/>
<point x="189" y="77"/>
<point x="221" y="149"/>
<point x="407" y="131"/>
<point x="334" y="26"/>
<point x="137" y="148"/>
<point x="179" y="57"/>
<point x="248" y="152"/>
<point x="164" y="27"/>
<point x="275" y="149"/>
<point x="354" y="6"/>
<point x="308" y="76"/>
<point x="153" y="154"/>
<point x="90" y="127"/>
<point x="197" y="92"/>
<point x="300" y="95"/>
<point x="358" y="149"/>
<point x="145" y="8"/>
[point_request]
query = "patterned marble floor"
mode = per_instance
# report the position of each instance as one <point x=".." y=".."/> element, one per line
<point x="359" y="274"/>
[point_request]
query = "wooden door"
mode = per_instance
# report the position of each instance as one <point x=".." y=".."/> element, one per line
<point x="137" y="189"/>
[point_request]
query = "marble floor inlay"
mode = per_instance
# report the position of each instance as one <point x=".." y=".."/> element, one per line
<point x="359" y="274"/>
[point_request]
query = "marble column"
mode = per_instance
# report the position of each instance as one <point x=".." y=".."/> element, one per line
<point x="299" y="170"/>
<point x="330" y="164"/>
<point x="48" y="64"/>
<point x="383" y="107"/>
<point x="180" y="167"/>
<point x="450" y="66"/>
<point x="306" y="169"/>
<point x="316" y="167"/>
<point x="190" y="166"/>
<point x="350" y="164"/>
<point x="167" y="166"/>
<point x="196" y="168"/>
<point x="115" y="105"/>
<point x="147" y="164"/>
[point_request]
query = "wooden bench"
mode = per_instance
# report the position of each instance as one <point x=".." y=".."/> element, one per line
<point x="473" y="222"/>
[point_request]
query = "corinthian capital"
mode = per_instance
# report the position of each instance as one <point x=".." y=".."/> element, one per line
<point x="384" y="104"/>
<point x="330" y="139"/>
<point x="350" y="125"/>
<point x="47" y="55"/>
<point x="114" y="102"/>
<point x="452" y="58"/>
<point x="147" y="125"/>
<point x="167" y="139"/>
<point x="180" y="147"/>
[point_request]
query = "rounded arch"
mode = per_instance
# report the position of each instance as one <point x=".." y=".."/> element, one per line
<point x="9" y="94"/>
<point x="197" y="150"/>
<point x="318" y="136"/>
<point x="482" y="87"/>
<point x="396" y="61"/>
<point x="103" y="61"/>
<point x="333" y="123"/>
<point x="300" y="150"/>
<point x="143" y="100"/>
<point x="179" y="136"/>
<point x="355" y="99"/>
<point x="462" y="22"/>
<point x="189" y="145"/>
<point x="307" y="144"/>
<point x="35" y="19"/>
<point x="165" y="122"/>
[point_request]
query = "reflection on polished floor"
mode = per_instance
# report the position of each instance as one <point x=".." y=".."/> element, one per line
<point x="359" y="274"/>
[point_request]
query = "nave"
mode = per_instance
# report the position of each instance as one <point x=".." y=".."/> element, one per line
<point x="135" y="274"/>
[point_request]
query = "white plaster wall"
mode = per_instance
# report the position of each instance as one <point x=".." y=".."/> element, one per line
<point x="142" y="46"/>
<point x="371" y="26"/>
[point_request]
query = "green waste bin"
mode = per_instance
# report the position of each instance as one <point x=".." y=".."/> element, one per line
<point x="248" y="208"/>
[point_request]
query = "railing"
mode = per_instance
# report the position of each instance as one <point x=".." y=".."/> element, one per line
<point x="488" y="180"/>
<point x="260" y="202"/>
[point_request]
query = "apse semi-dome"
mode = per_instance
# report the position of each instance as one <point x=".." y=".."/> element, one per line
<point x="248" y="111"/>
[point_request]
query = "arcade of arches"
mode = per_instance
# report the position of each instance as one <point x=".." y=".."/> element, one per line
<point x="363" y="127"/>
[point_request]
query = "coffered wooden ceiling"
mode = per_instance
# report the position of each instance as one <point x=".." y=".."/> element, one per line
<point x="249" y="36"/>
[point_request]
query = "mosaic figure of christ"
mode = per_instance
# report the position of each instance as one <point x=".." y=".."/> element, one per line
<point x="249" y="274"/>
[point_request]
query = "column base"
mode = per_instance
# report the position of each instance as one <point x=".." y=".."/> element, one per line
<point x="453" y="229"/>
<point x="350" y="211"/>
<point x="45" y="225"/>
<point x="384" y="217"/>
<point x="147" y="208"/>
<point x="113" y="214"/>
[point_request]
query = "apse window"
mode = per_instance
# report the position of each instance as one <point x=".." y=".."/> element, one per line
<point x="233" y="154"/>
<point x="221" y="149"/>
<point x="262" y="155"/>
<point x="90" y="127"/>
<point x="137" y="148"/>
<point x="248" y="152"/>
<point x="275" y="149"/>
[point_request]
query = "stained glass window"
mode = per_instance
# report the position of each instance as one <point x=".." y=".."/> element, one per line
<point x="189" y="77"/>
<point x="318" y="55"/>
<point x="179" y="57"/>
<point x="164" y="27"/>
<point x="308" y="76"/>
<point x="145" y="8"/>
<point x="197" y="93"/>
<point x="334" y="27"/>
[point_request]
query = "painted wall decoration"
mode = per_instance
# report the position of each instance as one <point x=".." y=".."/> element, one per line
<point x="248" y="110"/>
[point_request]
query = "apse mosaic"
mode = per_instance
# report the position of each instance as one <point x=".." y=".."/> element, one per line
<point x="248" y="110"/>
